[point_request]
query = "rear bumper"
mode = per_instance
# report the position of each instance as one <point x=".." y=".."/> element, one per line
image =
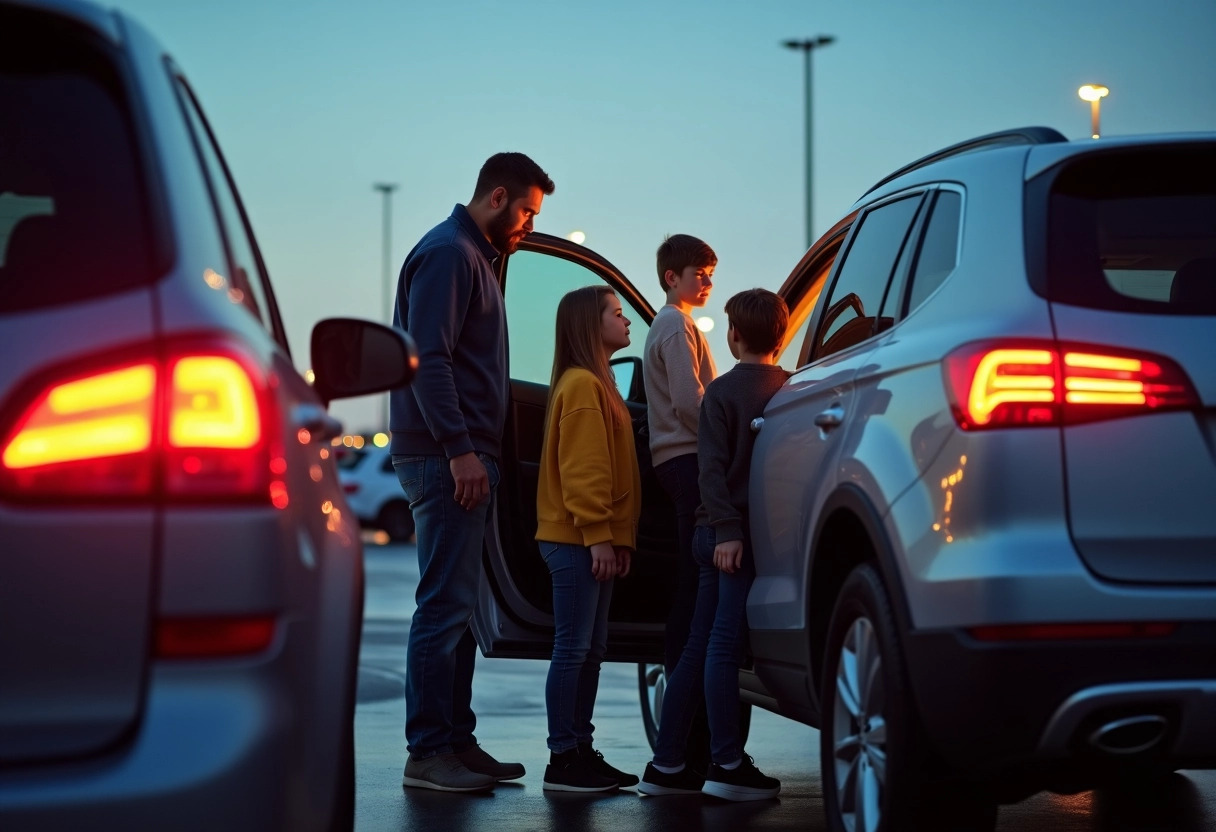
<point x="210" y="753"/>
<point x="1000" y="709"/>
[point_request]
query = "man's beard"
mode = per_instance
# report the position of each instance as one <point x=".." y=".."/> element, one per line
<point x="499" y="232"/>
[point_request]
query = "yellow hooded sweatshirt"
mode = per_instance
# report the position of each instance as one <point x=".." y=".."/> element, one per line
<point x="590" y="490"/>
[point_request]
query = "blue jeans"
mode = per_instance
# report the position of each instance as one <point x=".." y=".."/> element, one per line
<point x="439" y="663"/>
<point x="678" y="476"/>
<point x="580" y="638"/>
<point x="711" y="659"/>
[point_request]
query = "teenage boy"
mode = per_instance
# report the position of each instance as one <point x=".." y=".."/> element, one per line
<point x="721" y="546"/>
<point x="677" y="367"/>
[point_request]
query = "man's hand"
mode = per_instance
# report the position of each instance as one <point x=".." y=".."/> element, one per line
<point x="472" y="481"/>
<point x="603" y="561"/>
<point x="623" y="557"/>
<point x="728" y="556"/>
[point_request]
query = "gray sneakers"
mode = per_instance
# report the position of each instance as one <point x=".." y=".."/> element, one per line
<point x="445" y="773"/>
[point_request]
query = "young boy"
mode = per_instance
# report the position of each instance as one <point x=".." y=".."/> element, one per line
<point x="677" y="367"/>
<point x="721" y="547"/>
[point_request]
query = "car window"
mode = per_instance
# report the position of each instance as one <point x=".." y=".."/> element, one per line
<point x="857" y="293"/>
<point x="247" y="283"/>
<point x="535" y="284"/>
<point x="74" y="219"/>
<point x="938" y="253"/>
<point x="799" y="341"/>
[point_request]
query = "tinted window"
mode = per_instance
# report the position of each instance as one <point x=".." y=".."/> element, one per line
<point x="938" y="248"/>
<point x="535" y="284"/>
<point x="850" y="310"/>
<point x="73" y="218"/>
<point x="245" y="280"/>
<point x="1136" y="232"/>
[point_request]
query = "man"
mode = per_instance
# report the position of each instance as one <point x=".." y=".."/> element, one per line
<point x="447" y="428"/>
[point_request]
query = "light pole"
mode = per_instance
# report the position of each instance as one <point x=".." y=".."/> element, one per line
<point x="386" y="190"/>
<point x="1093" y="93"/>
<point x="807" y="46"/>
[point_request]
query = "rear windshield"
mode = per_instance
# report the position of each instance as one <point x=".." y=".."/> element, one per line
<point x="73" y="218"/>
<point x="1135" y="231"/>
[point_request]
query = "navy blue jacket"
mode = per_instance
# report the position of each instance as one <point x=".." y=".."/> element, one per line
<point x="449" y="301"/>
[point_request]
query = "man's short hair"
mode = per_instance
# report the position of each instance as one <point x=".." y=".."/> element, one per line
<point x="679" y="251"/>
<point x="513" y="171"/>
<point x="759" y="318"/>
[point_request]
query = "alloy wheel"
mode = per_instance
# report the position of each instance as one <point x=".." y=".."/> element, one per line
<point x="859" y="729"/>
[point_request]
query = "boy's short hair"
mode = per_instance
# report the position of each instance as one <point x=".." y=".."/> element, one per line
<point x="514" y="171"/>
<point x="679" y="251"/>
<point x="759" y="318"/>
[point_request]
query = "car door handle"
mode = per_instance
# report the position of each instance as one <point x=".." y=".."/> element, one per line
<point x="757" y="423"/>
<point x="830" y="418"/>
<point x="317" y="421"/>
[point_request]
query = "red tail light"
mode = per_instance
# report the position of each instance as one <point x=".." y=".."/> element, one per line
<point x="999" y="384"/>
<point x="350" y="487"/>
<point x="197" y="638"/>
<point x="196" y="424"/>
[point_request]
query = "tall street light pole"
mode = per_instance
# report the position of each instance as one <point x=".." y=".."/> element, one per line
<point x="386" y="190"/>
<point x="807" y="46"/>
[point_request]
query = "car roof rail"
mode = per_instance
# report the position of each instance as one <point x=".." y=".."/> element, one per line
<point x="1003" y="138"/>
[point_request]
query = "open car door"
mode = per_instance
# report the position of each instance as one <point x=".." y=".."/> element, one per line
<point x="514" y="616"/>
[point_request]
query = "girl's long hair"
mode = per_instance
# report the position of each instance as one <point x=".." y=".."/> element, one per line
<point x="579" y="343"/>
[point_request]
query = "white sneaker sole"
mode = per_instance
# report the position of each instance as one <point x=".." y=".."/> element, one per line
<point x="562" y="787"/>
<point x="417" y="783"/>
<point x="738" y="793"/>
<point x="654" y="789"/>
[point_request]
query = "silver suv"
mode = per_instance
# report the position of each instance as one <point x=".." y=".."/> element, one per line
<point x="983" y="508"/>
<point x="181" y="581"/>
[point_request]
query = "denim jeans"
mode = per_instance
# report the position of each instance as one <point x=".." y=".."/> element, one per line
<point x="439" y="662"/>
<point x="710" y="662"/>
<point x="678" y="476"/>
<point x="580" y="638"/>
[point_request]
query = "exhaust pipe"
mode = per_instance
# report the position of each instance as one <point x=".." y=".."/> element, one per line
<point x="1131" y="735"/>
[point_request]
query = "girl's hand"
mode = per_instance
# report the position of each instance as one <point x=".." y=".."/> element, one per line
<point x="623" y="556"/>
<point x="603" y="561"/>
<point x="728" y="556"/>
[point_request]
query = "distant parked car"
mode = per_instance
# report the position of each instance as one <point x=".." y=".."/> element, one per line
<point x="373" y="490"/>
<point x="181" y="581"/>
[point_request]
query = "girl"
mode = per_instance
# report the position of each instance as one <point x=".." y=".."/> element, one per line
<point x="587" y="506"/>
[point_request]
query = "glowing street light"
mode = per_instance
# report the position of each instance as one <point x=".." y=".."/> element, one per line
<point x="577" y="237"/>
<point x="1093" y="93"/>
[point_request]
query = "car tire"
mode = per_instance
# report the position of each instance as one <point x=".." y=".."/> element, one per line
<point x="397" y="520"/>
<point x="873" y="758"/>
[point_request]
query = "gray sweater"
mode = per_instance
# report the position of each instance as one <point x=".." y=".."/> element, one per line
<point x="724" y="445"/>
<point x="676" y="368"/>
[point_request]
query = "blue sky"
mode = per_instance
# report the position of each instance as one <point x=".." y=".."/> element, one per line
<point x="652" y="117"/>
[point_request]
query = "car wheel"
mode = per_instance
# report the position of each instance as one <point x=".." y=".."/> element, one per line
<point x="397" y="520"/>
<point x="872" y="748"/>
<point x="652" y="684"/>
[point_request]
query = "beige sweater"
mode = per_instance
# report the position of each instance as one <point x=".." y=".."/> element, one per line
<point x="676" y="367"/>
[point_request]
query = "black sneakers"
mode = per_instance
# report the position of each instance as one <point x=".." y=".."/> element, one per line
<point x="744" y="782"/>
<point x="570" y="771"/>
<point x="596" y="762"/>
<point x="684" y="781"/>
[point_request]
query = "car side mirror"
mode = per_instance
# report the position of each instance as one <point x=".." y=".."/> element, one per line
<point x="628" y="372"/>
<point x="351" y="357"/>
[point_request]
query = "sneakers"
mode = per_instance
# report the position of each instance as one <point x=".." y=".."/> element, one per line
<point x="745" y="782"/>
<point x="445" y="773"/>
<point x="684" y="781"/>
<point x="570" y="771"/>
<point x="478" y="760"/>
<point x="596" y="762"/>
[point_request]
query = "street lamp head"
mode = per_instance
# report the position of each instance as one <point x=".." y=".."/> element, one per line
<point x="824" y="40"/>
<point x="385" y="187"/>
<point x="1093" y="92"/>
<point x="808" y="44"/>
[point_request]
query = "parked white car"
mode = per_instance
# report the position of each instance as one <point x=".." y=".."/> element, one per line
<point x="373" y="490"/>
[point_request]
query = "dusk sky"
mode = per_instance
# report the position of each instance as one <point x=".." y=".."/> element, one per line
<point x="652" y="117"/>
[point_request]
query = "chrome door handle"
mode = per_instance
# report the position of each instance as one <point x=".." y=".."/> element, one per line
<point x="317" y="421"/>
<point x="757" y="423"/>
<point x="830" y="418"/>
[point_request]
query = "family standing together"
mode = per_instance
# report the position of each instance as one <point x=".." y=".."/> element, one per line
<point x="446" y="435"/>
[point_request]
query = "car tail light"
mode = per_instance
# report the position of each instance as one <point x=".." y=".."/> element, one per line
<point x="197" y="638"/>
<point x="999" y="384"/>
<point x="350" y="487"/>
<point x="197" y="423"/>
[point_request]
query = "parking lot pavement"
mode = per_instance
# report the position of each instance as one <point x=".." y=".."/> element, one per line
<point x="508" y="697"/>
